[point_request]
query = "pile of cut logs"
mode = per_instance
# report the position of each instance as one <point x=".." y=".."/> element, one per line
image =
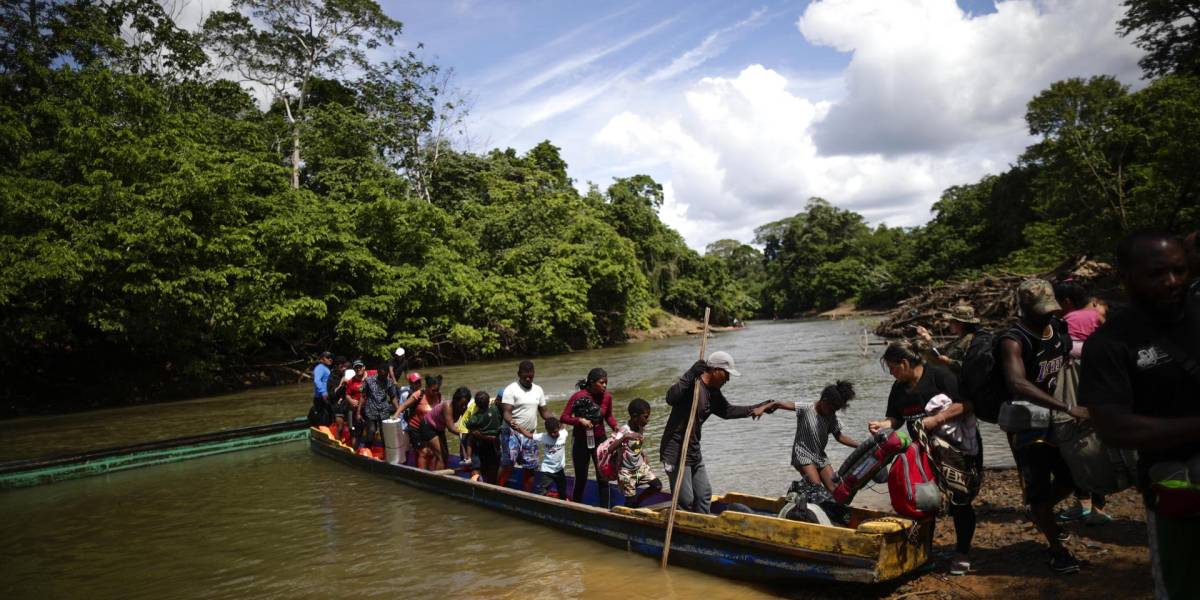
<point x="994" y="297"/>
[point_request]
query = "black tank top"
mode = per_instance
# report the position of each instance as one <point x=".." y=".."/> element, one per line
<point x="1044" y="358"/>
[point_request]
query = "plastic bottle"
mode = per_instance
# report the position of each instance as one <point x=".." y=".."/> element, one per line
<point x="591" y="438"/>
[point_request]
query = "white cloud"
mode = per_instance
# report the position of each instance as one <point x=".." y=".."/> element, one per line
<point x="713" y="44"/>
<point x="926" y="76"/>
<point x="932" y="98"/>
<point x="575" y="62"/>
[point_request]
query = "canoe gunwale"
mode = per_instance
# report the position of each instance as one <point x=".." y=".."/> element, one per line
<point x="27" y="464"/>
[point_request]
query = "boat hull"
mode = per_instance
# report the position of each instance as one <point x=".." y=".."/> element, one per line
<point x="721" y="553"/>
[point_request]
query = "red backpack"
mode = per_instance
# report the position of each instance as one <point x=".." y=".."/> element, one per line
<point x="608" y="457"/>
<point x="913" y="485"/>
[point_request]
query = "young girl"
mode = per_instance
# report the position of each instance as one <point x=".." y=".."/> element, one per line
<point x="815" y="423"/>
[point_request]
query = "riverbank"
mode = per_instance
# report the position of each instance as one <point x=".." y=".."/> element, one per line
<point x="666" y="325"/>
<point x="1008" y="559"/>
<point x="849" y="309"/>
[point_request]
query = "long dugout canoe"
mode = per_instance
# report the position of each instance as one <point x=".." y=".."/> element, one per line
<point x="754" y="546"/>
<point x="39" y="471"/>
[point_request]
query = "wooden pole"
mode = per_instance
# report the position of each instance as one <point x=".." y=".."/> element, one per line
<point x="683" y="449"/>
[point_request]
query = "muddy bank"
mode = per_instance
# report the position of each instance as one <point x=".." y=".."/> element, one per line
<point x="1009" y="555"/>
<point x="665" y="325"/>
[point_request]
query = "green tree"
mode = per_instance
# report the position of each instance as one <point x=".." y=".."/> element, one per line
<point x="1169" y="32"/>
<point x="284" y="45"/>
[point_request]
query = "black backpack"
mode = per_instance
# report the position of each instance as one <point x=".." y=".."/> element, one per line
<point x="980" y="380"/>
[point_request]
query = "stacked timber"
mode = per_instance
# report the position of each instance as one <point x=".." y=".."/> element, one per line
<point x="993" y="296"/>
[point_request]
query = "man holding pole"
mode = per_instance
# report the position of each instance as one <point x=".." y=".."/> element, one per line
<point x="695" y="494"/>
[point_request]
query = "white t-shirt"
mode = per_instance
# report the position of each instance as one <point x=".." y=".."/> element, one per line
<point x="554" y="451"/>
<point x="525" y="404"/>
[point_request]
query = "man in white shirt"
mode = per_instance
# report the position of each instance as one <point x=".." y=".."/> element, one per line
<point x="522" y="402"/>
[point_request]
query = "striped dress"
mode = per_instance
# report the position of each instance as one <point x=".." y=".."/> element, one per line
<point x="812" y="433"/>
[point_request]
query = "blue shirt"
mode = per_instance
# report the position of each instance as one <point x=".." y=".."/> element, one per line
<point x="320" y="380"/>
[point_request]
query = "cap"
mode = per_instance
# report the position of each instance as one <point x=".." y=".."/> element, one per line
<point x="722" y="360"/>
<point x="414" y="377"/>
<point x="963" y="313"/>
<point x="400" y="351"/>
<point x="349" y="375"/>
<point x="326" y="354"/>
<point x="359" y="363"/>
<point x="1036" y="296"/>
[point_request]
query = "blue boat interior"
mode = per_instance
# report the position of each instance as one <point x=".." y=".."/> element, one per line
<point x="591" y="491"/>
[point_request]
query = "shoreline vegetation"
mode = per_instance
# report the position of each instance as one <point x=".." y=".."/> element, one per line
<point x="167" y="236"/>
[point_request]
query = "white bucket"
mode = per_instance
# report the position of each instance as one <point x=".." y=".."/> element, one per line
<point x="395" y="441"/>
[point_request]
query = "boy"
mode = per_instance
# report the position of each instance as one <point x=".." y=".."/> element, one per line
<point x="635" y="471"/>
<point x="815" y="422"/>
<point x="483" y="435"/>
<point x="554" y="458"/>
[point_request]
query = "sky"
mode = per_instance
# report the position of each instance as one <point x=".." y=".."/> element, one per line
<point x="745" y="110"/>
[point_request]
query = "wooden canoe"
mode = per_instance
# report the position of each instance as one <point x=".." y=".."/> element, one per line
<point x="753" y="546"/>
<point x="39" y="471"/>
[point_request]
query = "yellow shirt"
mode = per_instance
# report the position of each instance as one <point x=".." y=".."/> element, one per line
<point x="461" y="423"/>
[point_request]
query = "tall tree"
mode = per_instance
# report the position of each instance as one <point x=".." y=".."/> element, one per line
<point x="1169" y="32"/>
<point x="283" y="45"/>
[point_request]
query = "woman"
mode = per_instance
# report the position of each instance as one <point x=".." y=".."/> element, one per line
<point x="442" y="416"/>
<point x="916" y="384"/>
<point x="418" y="404"/>
<point x="588" y="410"/>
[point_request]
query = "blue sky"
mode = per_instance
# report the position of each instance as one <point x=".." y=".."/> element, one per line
<point x="744" y="110"/>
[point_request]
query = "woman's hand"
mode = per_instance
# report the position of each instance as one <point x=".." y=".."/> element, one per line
<point x="586" y="423"/>
<point x="1079" y="412"/>
<point x="929" y="423"/>
<point x="875" y="426"/>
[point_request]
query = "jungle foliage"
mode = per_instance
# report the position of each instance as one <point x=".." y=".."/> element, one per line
<point x="161" y="234"/>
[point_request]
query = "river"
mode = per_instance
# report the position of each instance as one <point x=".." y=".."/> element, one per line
<point x="281" y="522"/>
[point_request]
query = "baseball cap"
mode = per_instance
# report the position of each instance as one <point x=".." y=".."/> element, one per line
<point x="326" y="354"/>
<point x="1036" y="296"/>
<point x="359" y="363"/>
<point x="722" y="360"/>
<point x="414" y="377"/>
<point x="400" y="351"/>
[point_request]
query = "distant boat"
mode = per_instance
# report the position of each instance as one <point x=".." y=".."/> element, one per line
<point x="754" y="546"/>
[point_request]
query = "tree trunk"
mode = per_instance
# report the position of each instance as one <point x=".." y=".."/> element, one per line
<point x="295" y="156"/>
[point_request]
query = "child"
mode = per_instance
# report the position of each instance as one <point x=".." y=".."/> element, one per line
<point x="554" y="458"/>
<point x="483" y="435"/>
<point x="815" y="422"/>
<point x="635" y="470"/>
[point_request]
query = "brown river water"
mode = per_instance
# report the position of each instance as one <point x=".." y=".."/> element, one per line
<point x="280" y="522"/>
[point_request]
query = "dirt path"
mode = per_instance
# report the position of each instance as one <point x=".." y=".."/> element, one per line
<point x="1009" y="556"/>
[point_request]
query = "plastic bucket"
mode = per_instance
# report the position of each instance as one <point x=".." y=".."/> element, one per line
<point x="395" y="441"/>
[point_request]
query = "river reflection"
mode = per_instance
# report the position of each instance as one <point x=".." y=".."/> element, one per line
<point x="282" y="522"/>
